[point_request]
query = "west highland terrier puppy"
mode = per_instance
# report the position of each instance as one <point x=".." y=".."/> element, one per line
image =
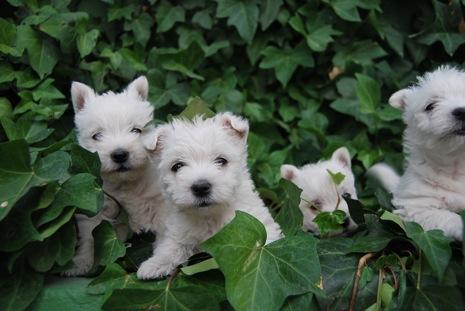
<point x="432" y="189"/>
<point x="204" y="175"/>
<point x="319" y="192"/>
<point x="114" y="126"/>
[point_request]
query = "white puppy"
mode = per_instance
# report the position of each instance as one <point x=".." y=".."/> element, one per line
<point x="319" y="192"/>
<point x="204" y="174"/>
<point x="432" y="189"/>
<point x="114" y="126"/>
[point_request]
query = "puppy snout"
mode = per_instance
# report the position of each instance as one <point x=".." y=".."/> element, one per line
<point x="346" y="223"/>
<point x="119" y="156"/>
<point x="459" y="113"/>
<point x="201" y="188"/>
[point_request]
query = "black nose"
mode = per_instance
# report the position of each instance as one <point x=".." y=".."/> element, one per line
<point x="346" y="223"/>
<point x="119" y="156"/>
<point x="459" y="113"/>
<point x="201" y="188"/>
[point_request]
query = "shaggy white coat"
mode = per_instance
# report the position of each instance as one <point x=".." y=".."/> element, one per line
<point x="187" y="220"/>
<point x="432" y="189"/>
<point x="319" y="192"/>
<point x="105" y="123"/>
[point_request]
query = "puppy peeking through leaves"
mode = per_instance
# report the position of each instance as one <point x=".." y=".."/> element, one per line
<point x="324" y="186"/>
<point x="114" y="126"/>
<point x="205" y="179"/>
<point x="432" y="189"/>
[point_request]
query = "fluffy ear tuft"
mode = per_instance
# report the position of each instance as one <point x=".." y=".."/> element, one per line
<point x="80" y="95"/>
<point x="289" y="172"/>
<point x="342" y="156"/>
<point x="398" y="99"/>
<point x="153" y="139"/>
<point x="238" y="125"/>
<point x="139" y="88"/>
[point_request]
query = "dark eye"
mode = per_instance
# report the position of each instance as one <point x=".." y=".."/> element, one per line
<point x="97" y="136"/>
<point x="136" y="130"/>
<point x="346" y="195"/>
<point x="315" y="205"/>
<point x="177" y="166"/>
<point x="430" y="106"/>
<point x="221" y="161"/>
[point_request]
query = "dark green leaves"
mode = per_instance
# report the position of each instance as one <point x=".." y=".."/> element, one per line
<point x="107" y="246"/>
<point x="285" y="61"/>
<point x="243" y="15"/>
<point x="19" y="290"/>
<point x="434" y="247"/>
<point x="251" y="269"/>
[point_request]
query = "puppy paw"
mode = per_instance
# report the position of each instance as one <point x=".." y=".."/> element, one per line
<point x="81" y="266"/>
<point x="152" y="269"/>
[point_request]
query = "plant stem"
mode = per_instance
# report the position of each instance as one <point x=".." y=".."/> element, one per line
<point x="361" y="264"/>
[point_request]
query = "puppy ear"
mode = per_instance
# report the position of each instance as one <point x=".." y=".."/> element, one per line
<point x="152" y="139"/>
<point x="342" y="156"/>
<point x="289" y="172"/>
<point x="80" y="95"/>
<point x="139" y="88"/>
<point x="238" y="125"/>
<point x="398" y="99"/>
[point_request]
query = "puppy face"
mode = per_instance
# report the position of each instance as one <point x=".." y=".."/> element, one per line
<point x="319" y="192"/>
<point x="113" y="125"/>
<point x="202" y="163"/>
<point x="434" y="109"/>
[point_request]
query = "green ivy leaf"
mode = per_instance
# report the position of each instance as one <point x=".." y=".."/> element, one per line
<point x="86" y="42"/>
<point x="241" y="14"/>
<point x="269" y="12"/>
<point x="330" y="221"/>
<point x="196" y="107"/>
<point x="369" y="93"/>
<point x="250" y="268"/>
<point x="337" y="177"/>
<point x="202" y="266"/>
<point x="18" y="290"/>
<point x="433" y="244"/>
<point x="107" y="246"/>
<point x="168" y="15"/>
<point x="182" y="293"/>
<point x="285" y="61"/>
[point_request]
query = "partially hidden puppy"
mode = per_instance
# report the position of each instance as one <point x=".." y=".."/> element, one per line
<point x="114" y="126"/>
<point x="432" y="189"/>
<point x="319" y="192"/>
<point x="205" y="179"/>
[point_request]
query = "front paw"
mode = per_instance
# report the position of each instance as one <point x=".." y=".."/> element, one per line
<point x="81" y="266"/>
<point x="152" y="269"/>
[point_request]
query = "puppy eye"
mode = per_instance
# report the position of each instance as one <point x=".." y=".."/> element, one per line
<point x="221" y="161"/>
<point x="346" y="195"/>
<point x="177" y="166"/>
<point x="315" y="205"/>
<point x="136" y="130"/>
<point x="97" y="136"/>
<point x="430" y="106"/>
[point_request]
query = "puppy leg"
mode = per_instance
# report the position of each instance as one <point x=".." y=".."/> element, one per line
<point x="433" y="218"/>
<point x="167" y="255"/>
<point x="83" y="259"/>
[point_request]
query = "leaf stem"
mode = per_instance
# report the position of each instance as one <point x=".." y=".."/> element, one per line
<point x="419" y="270"/>
<point x="361" y="264"/>
<point x="380" y="286"/>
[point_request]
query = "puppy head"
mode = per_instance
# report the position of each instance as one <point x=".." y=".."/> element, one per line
<point x="202" y="162"/>
<point x="434" y="108"/>
<point x="112" y="125"/>
<point x="319" y="192"/>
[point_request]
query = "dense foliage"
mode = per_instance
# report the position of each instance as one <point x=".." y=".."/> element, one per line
<point x="310" y="77"/>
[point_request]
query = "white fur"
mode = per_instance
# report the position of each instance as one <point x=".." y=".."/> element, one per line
<point x="386" y="175"/>
<point x="187" y="220"/>
<point x="319" y="192"/>
<point x="432" y="189"/>
<point x="133" y="183"/>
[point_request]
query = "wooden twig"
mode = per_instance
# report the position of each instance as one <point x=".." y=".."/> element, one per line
<point x="172" y="277"/>
<point x="361" y="264"/>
